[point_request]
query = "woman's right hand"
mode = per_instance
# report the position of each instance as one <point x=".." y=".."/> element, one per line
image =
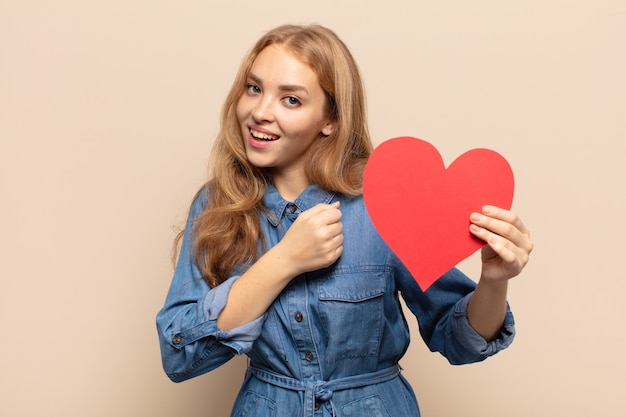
<point x="312" y="242"/>
<point x="315" y="239"/>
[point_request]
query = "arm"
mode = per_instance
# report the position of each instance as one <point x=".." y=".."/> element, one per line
<point x="503" y="257"/>
<point x="190" y="341"/>
<point x="463" y="321"/>
<point x="200" y="328"/>
<point x="442" y="315"/>
<point x="313" y="241"/>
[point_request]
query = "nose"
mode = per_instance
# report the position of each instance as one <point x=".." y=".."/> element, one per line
<point x="262" y="111"/>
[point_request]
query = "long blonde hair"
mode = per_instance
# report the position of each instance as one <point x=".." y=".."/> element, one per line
<point x="227" y="233"/>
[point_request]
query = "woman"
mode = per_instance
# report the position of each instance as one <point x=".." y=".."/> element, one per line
<point x="280" y="261"/>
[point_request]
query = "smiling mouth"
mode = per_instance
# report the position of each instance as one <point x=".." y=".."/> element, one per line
<point x="263" y="136"/>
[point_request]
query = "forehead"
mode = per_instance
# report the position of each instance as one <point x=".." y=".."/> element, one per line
<point x="275" y="63"/>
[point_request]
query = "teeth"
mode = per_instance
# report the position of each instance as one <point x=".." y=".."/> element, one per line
<point x="262" y="136"/>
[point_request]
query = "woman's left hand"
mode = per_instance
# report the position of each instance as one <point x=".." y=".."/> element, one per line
<point x="508" y="243"/>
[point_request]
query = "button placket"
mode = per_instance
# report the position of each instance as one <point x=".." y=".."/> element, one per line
<point x="300" y="331"/>
<point x="297" y="299"/>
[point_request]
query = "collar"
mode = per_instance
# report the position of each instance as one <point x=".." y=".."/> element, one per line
<point x="276" y="204"/>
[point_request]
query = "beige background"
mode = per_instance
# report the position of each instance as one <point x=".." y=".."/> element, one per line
<point x="107" y="111"/>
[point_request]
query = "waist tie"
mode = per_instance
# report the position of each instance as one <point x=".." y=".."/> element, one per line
<point x="323" y="390"/>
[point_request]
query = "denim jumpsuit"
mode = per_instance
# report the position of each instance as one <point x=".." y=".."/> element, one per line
<point x="330" y="343"/>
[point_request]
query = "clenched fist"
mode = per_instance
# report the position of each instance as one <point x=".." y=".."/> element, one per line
<point x="315" y="239"/>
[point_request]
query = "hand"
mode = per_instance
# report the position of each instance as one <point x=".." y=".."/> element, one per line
<point x="312" y="242"/>
<point x="315" y="239"/>
<point x="508" y="243"/>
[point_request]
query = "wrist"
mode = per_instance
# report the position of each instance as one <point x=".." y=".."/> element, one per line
<point x="493" y="284"/>
<point x="281" y="258"/>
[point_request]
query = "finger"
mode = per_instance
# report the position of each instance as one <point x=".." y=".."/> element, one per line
<point x="503" y="223"/>
<point x="510" y="253"/>
<point x="511" y="256"/>
<point x="322" y="214"/>
<point x="331" y="213"/>
<point x="333" y="230"/>
<point x="507" y="251"/>
<point x="494" y="239"/>
<point x="506" y="216"/>
<point x="332" y="249"/>
<point x="495" y="225"/>
<point x="337" y="241"/>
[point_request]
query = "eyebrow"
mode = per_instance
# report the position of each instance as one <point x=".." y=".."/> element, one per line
<point x="285" y="87"/>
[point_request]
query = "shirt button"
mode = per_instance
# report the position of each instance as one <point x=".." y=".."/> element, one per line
<point x="308" y="356"/>
<point x="292" y="208"/>
<point x="177" y="339"/>
<point x="298" y="316"/>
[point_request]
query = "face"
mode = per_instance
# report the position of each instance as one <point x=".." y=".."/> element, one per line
<point x="282" y="111"/>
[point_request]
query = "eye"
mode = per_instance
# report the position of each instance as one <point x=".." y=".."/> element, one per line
<point x="252" y="89"/>
<point x="292" y="101"/>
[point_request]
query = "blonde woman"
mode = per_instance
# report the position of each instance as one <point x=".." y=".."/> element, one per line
<point x="279" y="259"/>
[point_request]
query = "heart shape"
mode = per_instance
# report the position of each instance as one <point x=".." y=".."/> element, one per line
<point x="421" y="209"/>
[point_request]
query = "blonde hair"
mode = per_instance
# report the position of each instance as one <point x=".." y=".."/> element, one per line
<point x="227" y="233"/>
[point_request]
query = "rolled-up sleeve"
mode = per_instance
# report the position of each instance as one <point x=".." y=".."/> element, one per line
<point x="441" y="312"/>
<point x="240" y="338"/>
<point x="471" y="340"/>
<point x="190" y="330"/>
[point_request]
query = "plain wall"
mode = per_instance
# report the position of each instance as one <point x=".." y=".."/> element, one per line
<point x="107" y="114"/>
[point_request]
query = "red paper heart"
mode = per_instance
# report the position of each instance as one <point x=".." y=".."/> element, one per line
<point x="421" y="209"/>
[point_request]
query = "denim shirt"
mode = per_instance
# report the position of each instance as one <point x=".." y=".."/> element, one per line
<point x="331" y="341"/>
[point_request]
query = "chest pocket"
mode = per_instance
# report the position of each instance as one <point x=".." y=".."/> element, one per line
<point x="351" y="311"/>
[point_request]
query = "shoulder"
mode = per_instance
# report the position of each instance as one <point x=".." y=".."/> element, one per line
<point x="200" y="200"/>
<point x="358" y="226"/>
<point x="354" y="207"/>
<point x="355" y="202"/>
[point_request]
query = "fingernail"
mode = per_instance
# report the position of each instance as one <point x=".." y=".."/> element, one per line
<point x="474" y="228"/>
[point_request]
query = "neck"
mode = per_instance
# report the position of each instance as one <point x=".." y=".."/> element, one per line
<point x="290" y="187"/>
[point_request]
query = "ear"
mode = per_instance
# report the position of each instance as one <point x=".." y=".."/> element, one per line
<point x="328" y="128"/>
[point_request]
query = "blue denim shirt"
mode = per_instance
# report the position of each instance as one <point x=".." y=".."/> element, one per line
<point x="331" y="341"/>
